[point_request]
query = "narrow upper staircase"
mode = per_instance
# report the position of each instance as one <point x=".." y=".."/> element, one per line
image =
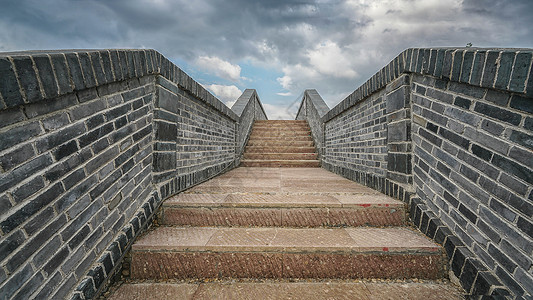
<point x="280" y="143"/>
<point x="284" y="233"/>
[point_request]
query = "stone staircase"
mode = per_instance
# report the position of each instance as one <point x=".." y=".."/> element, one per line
<point x="284" y="233"/>
<point x="280" y="143"/>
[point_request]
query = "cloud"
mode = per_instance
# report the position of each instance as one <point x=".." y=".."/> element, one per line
<point x="226" y="93"/>
<point x="332" y="46"/>
<point x="219" y="67"/>
<point x="279" y="112"/>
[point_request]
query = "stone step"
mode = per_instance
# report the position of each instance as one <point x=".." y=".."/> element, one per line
<point x="286" y="149"/>
<point x="209" y="252"/>
<point x="269" y="133"/>
<point x="282" y="210"/>
<point x="270" y="289"/>
<point x="281" y="138"/>
<point x="280" y="122"/>
<point x="280" y="143"/>
<point x="278" y="156"/>
<point x="297" y="130"/>
<point x="278" y="163"/>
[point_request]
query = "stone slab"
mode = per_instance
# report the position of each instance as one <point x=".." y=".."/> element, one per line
<point x="363" y="290"/>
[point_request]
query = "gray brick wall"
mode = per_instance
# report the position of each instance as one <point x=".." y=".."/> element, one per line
<point x="450" y="132"/>
<point x="90" y="143"/>
<point x="473" y="170"/>
<point x="312" y="109"/>
<point x="248" y="108"/>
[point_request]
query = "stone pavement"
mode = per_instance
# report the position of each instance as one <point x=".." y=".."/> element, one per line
<point x="252" y="232"/>
<point x="354" y="290"/>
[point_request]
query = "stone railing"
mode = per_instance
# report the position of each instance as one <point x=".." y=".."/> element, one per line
<point x="91" y="142"/>
<point x="450" y="132"/>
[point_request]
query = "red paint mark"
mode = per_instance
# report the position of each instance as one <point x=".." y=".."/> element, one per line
<point x="386" y="249"/>
<point x="365" y="205"/>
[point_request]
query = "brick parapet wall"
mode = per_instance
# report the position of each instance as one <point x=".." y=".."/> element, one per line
<point x="84" y="143"/>
<point x="248" y="108"/>
<point x="313" y="108"/>
<point x="457" y="147"/>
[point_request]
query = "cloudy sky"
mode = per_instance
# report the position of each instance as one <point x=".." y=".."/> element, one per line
<point x="279" y="47"/>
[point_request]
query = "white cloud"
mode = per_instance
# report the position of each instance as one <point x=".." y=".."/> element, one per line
<point x="219" y="67"/>
<point x="285" y="94"/>
<point x="226" y="93"/>
<point x="330" y="60"/>
<point x="278" y="112"/>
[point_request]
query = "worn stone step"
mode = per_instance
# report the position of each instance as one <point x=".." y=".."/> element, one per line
<point x="293" y="130"/>
<point x="281" y="138"/>
<point x="279" y="143"/>
<point x="279" y="149"/>
<point x="271" y="134"/>
<point x="208" y="252"/>
<point x="280" y="122"/>
<point x="278" y="163"/>
<point x="282" y="210"/>
<point x="283" y="156"/>
<point x="304" y="290"/>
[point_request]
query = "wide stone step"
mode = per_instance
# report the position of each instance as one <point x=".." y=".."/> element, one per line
<point x="279" y="143"/>
<point x="286" y="149"/>
<point x="280" y="122"/>
<point x="207" y="252"/>
<point x="305" y="290"/>
<point x="283" y="156"/>
<point x="280" y="163"/>
<point x="276" y="132"/>
<point x="286" y="210"/>
<point x="281" y="137"/>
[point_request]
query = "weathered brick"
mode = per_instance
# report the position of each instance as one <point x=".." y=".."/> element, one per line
<point x="15" y="282"/>
<point x="46" y="74"/>
<point x="27" y="78"/>
<point x="505" y="67"/>
<point x="87" y="288"/>
<point x="498" y="113"/>
<point x="509" y="281"/>
<point x="95" y="134"/>
<point x="477" y="68"/>
<point x="462" y="115"/>
<point x="457" y="65"/>
<point x="10" y="244"/>
<point x="65" y="150"/>
<point x="60" y="137"/>
<point x="489" y="72"/>
<point x="27" y="189"/>
<point x="59" y="63"/>
<point x="19" y="134"/>
<point x="526" y="226"/>
<point x="50" y="105"/>
<point x="9" y="89"/>
<point x="14" y="158"/>
<point x="520" y="72"/>
<point x="492" y="127"/>
<point x="10" y="179"/>
<point x="522" y="103"/>
<point x="50" y="286"/>
<point x="514" y="168"/>
<point x="39" y="220"/>
<point x="87" y="69"/>
<point x="468" y="275"/>
<point x="35" y="243"/>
